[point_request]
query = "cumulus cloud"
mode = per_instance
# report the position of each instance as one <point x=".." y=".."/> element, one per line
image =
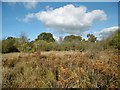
<point x="106" y="32"/>
<point x="70" y="19"/>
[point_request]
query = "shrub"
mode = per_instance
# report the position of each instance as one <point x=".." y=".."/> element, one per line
<point x="115" y="40"/>
<point x="25" y="47"/>
<point x="8" y="45"/>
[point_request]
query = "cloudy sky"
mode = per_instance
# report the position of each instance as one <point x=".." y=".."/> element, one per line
<point x="60" y="19"/>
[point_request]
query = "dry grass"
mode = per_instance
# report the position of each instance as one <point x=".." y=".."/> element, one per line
<point x="66" y="69"/>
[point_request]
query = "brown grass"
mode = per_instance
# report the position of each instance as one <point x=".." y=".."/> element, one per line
<point x="65" y="69"/>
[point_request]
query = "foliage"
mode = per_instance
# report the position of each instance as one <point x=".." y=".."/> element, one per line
<point x="23" y="38"/>
<point x="23" y="43"/>
<point x="25" y="47"/>
<point x="8" y="45"/>
<point x="46" y="37"/>
<point x="115" y="40"/>
<point x="46" y="42"/>
<point x="91" y="38"/>
<point x="72" y="38"/>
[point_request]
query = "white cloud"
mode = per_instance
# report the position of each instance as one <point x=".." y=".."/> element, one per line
<point x="106" y="32"/>
<point x="56" y="38"/>
<point x="27" y="18"/>
<point x="70" y="19"/>
<point x="48" y="8"/>
<point x="30" y="5"/>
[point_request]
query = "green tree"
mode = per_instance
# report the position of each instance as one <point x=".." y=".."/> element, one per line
<point x="73" y="38"/>
<point x="91" y="38"/>
<point x="46" y="37"/>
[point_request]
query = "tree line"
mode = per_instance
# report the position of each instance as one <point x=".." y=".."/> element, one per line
<point x="46" y="42"/>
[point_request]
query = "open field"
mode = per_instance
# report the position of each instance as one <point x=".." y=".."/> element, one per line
<point x="66" y="69"/>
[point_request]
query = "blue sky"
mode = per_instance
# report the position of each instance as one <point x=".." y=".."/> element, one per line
<point x="30" y="19"/>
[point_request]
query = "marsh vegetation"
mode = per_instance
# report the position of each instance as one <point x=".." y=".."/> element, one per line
<point x="72" y="63"/>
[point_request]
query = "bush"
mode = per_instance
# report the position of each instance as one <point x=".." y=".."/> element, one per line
<point x="25" y="47"/>
<point x="115" y="40"/>
<point x="8" y="45"/>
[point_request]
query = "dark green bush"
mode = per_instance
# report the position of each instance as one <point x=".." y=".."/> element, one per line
<point x="8" y="45"/>
<point x="115" y="40"/>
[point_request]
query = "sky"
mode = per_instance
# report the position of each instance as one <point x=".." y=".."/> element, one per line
<point x="59" y="18"/>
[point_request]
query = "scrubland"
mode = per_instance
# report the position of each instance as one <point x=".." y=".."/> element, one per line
<point x="62" y="69"/>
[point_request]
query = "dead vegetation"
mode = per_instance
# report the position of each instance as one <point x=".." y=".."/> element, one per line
<point x="62" y="69"/>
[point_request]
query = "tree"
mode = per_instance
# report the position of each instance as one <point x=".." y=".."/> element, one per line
<point x="46" y="37"/>
<point x="23" y="43"/>
<point x="91" y="38"/>
<point x="73" y="38"/>
<point x="23" y="38"/>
